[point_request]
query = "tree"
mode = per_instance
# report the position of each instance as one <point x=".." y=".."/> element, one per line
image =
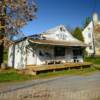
<point x="77" y="33"/>
<point x="87" y="21"/>
<point x="14" y="14"/>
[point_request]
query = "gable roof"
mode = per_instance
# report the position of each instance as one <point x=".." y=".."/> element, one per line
<point x="52" y="30"/>
<point x="88" y="28"/>
<point x="38" y="38"/>
<point x="61" y="29"/>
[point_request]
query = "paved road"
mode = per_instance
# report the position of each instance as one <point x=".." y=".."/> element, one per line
<point x="61" y="88"/>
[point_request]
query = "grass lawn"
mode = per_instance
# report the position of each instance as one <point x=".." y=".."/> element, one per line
<point x="94" y="60"/>
<point x="84" y="71"/>
<point x="13" y="76"/>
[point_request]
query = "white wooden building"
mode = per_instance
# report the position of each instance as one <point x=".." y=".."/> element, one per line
<point x="91" y="35"/>
<point x="89" y="39"/>
<point x="54" y="46"/>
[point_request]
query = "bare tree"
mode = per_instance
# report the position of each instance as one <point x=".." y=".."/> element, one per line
<point x="14" y="14"/>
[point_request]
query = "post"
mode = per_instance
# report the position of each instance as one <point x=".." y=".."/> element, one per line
<point x="2" y="28"/>
<point x="1" y="51"/>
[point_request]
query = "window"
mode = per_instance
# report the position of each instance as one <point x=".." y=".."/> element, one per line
<point x="90" y="47"/>
<point x="62" y="29"/>
<point x="59" y="51"/>
<point x="40" y="53"/>
<point x="89" y="28"/>
<point x="89" y="35"/>
<point x="77" y="52"/>
<point x="61" y="36"/>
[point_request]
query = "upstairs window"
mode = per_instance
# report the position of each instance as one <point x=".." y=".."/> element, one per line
<point x="62" y="29"/>
<point x="89" y="35"/>
<point x="61" y="36"/>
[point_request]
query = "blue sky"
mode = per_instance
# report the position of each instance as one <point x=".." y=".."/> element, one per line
<point x="51" y="13"/>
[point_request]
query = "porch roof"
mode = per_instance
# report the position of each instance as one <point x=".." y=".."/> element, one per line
<point x="58" y="43"/>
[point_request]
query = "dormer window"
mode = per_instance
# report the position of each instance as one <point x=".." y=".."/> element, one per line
<point x="62" y="29"/>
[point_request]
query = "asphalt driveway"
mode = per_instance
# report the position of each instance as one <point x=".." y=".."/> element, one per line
<point x="60" y="88"/>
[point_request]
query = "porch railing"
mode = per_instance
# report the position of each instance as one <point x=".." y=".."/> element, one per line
<point x="62" y="60"/>
<point x="55" y="60"/>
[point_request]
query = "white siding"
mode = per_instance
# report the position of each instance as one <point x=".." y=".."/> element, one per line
<point x="88" y="38"/>
<point x="11" y="56"/>
<point x="58" y="34"/>
<point x="31" y="57"/>
<point x="80" y="58"/>
<point x="20" y="55"/>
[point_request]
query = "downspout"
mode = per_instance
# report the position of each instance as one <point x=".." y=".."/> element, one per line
<point x="94" y="9"/>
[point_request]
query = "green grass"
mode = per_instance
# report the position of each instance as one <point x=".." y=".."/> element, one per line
<point x="13" y="76"/>
<point x="84" y="71"/>
<point x="94" y="60"/>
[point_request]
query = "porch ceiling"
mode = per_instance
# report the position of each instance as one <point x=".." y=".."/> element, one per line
<point x="58" y="43"/>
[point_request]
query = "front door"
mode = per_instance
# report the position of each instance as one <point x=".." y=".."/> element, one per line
<point x="76" y="52"/>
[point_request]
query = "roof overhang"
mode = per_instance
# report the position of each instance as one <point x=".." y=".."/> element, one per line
<point x="58" y="43"/>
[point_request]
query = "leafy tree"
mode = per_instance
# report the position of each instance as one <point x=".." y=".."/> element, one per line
<point x="86" y="22"/>
<point x="14" y="14"/>
<point x="77" y="33"/>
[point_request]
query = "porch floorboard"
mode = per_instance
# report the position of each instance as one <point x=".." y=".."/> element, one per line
<point x="57" y="66"/>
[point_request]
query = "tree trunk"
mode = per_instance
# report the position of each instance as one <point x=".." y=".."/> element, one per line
<point x="1" y="51"/>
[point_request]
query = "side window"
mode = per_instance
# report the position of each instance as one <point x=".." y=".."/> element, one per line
<point x="90" y="47"/>
<point x="89" y="35"/>
<point x="41" y="53"/>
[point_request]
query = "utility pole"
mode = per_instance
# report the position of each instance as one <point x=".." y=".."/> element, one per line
<point x="94" y="11"/>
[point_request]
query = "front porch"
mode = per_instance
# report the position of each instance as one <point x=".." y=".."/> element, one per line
<point x="54" y="67"/>
<point x="54" y="51"/>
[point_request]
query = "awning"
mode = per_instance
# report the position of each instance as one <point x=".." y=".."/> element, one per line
<point x="58" y="43"/>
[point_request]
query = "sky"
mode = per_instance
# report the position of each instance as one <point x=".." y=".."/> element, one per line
<point x="51" y="13"/>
